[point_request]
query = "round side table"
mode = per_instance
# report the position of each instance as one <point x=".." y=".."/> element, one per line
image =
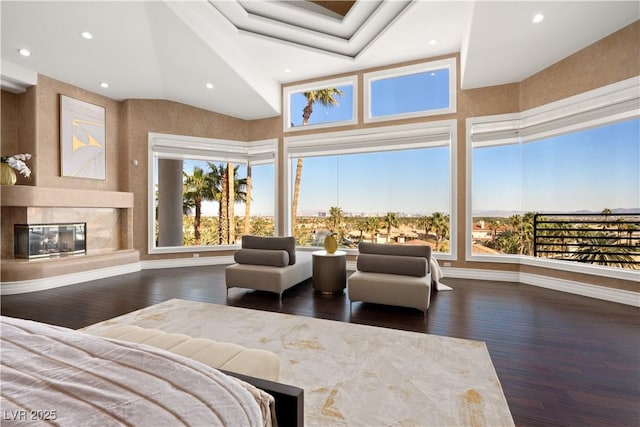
<point x="329" y="272"/>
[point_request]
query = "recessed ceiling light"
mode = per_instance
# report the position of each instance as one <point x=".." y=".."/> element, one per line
<point x="87" y="35"/>
<point x="432" y="42"/>
<point x="287" y="70"/>
<point x="209" y="85"/>
<point x="538" y="18"/>
<point x="104" y="85"/>
<point x="24" y="52"/>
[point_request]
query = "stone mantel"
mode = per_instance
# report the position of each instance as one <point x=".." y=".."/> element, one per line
<point x="109" y="219"/>
<point x="29" y="196"/>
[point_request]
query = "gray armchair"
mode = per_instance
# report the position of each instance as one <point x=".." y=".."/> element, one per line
<point x="392" y="274"/>
<point x="268" y="264"/>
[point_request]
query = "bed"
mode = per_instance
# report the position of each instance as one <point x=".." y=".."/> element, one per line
<point x="59" y="376"/>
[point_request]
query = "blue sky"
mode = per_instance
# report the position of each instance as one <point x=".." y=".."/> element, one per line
<point x="410" y="181"/>
<point x="399" y="94"/>
<point x="588" y="170"/>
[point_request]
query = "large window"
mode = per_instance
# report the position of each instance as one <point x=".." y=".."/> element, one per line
<point x="208" y="193"/>
<point x="411" y="91"/>
<point x="392" y="185"/>
<point x="577" y="169"/>
<point x="321" y="104"/>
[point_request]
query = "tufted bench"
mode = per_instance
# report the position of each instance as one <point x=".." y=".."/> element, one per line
<point x="225" y="356"/>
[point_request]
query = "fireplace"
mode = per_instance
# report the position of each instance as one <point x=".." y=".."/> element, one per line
<point x="49" y="240"/>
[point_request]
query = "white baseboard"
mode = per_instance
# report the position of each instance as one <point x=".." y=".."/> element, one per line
<point x="620" y="296"/>
<point x="24" y="286"/>
<point x="607" y="294"/>
<point x="471" y="273"/>
<point x="600" y="292"/>
<point x="186" y="262"/>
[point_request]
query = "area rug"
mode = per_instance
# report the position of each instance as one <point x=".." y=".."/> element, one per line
<point x="352" y="375"/>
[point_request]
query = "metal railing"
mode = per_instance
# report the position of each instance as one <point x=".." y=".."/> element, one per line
<point x="603" y="239"/>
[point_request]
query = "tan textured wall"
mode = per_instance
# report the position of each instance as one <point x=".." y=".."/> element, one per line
<point x="264" y="129"/>
<point x="17" y="121"/>
<point x="612" y="59"/>
<point x="8" y="123"/>
<point x="47" y="173"/>
<point x="27" y="132"/>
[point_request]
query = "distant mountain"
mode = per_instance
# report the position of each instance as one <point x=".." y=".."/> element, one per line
<point x="620" y="211"/>
<point x="507" y="214"/>
<point x="496" y="213"/>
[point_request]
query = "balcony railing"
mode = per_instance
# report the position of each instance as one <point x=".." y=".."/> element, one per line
<point x="602" y="239"/>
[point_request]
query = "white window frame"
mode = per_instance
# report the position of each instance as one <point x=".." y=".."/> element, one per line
<point x="385" y="138"/>
<point x="290" y="90"/>
<point x="368" y="78"/>
<point x="181" y="147"/>
<point x="606" y="105"/>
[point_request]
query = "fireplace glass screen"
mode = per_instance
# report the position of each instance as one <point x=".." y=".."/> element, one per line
<point x="48" y="240"/>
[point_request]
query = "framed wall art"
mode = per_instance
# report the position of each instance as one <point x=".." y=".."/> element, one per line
<point x="82" y="139"/>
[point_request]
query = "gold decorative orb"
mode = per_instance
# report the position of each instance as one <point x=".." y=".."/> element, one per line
<point x="330" y="244"/>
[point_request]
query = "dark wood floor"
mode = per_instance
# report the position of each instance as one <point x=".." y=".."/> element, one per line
<point x="562" y="360"/>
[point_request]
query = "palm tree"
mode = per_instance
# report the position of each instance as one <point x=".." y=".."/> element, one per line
<point x="507" y="242"/>
<point x="226" y="195"/>
<point x="606" y="212"/>
<point x="561" y="235"/>
<point x="527" y="233"/>
<point x="629" y="228"/>
<point x="197" y="188"/>
<point x="231" y="201"/>
<point x="335" y="217"/>
<point x="327" y="98"/>
<point x="596" y="251"/>
<point x="218" y="174"/>
<point x="493" y="226"/>
<point x="260" y="227"/>
<point x="247" y="206"/>
<point x="390" y="220"/>
<point x="371" y="226"/>
<point x="425" y="222"/>
<point x="516" y="228"/>
<point x="441" y="225"/>
<point x="359" y="223"/>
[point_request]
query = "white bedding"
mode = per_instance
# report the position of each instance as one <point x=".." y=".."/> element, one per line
<point x="59" y="376"/>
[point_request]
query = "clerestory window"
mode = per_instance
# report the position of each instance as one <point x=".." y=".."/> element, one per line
<point x="321" y="104"/>
<point x="412" y="91"/>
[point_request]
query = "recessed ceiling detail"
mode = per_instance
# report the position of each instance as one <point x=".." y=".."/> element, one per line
<point x="291" y="23"/>
<point x="167" y="49"/>
<point x="340" y="7"/>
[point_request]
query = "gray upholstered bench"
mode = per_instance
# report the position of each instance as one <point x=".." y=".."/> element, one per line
<point x="268" y="264"/>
